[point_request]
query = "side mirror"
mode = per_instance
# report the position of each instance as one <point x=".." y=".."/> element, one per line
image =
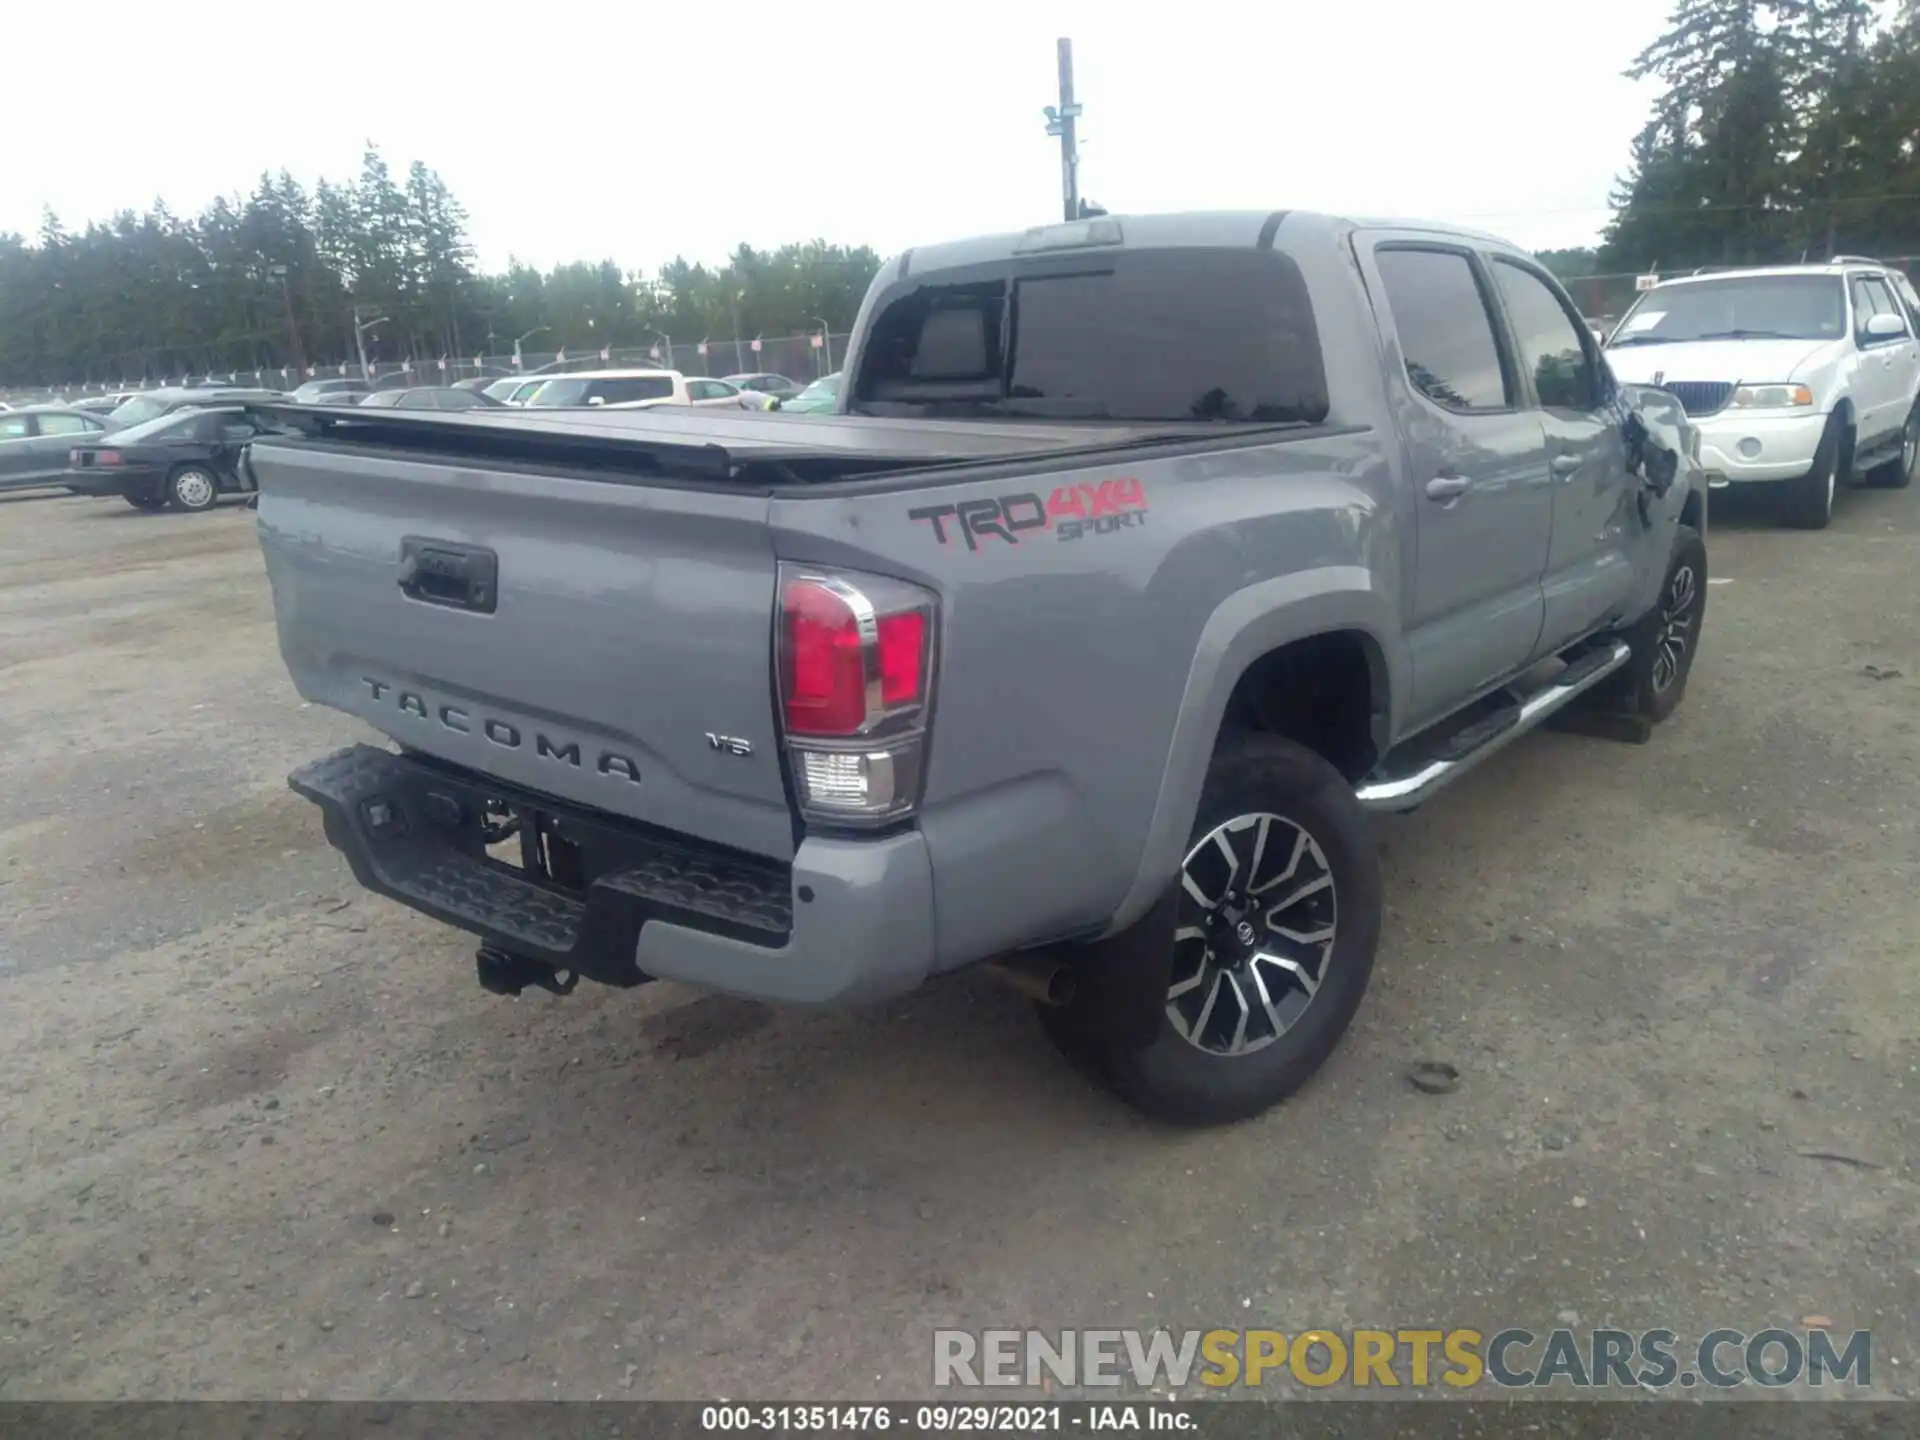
<point x="1885" y="327"/>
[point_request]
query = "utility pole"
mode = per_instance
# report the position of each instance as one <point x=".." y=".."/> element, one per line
<point x="1061" y="122"/>
<point x="360" y="328"/>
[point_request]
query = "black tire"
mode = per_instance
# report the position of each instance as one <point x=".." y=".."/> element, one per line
<point x="1809" y="500"/>
<point x="1654" y="681"/>
<point x="1287" y="1038"/>
<point x="193" y="488"/>
<point x="148" y="503"/>
<point x="1897" y="474"/>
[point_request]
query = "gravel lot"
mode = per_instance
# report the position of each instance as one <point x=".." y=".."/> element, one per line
<point x="262" y="1135"/>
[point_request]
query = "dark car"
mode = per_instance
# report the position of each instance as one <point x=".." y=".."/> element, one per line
<point x="152" y="404"/>
<point x="431" y="397"/>
<point x="35" y="440"/>
<point x="766" y="383"/>
<point x="187" y="459"/>
<point x="332" y="392"/>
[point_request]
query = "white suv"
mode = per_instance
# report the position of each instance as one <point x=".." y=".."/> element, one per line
<point x="638" y="390"/>
<point x="1801" y="376"/>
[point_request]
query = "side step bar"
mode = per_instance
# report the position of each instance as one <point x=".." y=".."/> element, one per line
<point x="1403" y="792"/>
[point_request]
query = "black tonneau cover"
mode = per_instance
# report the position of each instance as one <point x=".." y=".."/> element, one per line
<point x="710" y="443"/>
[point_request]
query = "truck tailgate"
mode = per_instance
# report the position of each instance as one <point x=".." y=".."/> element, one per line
<point x="571" y="636"/>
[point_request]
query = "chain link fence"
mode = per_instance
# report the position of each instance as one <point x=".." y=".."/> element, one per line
<point x="803" y="358"/>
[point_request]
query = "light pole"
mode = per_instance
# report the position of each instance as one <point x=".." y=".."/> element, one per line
<point x="738" y="296"/>
<point x="360" y="329"/>
<point x="518" y="363"/>
<point x="667" y="341"/>
<point x="826" y="341"/>
<point x="279" y="272"/>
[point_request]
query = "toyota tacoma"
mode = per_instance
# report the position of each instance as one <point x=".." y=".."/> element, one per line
<point x="1142" y="559"/>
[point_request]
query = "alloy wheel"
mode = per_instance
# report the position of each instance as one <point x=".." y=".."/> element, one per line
<point x="1258" y="914"/>
<point x="1676" y="627"/>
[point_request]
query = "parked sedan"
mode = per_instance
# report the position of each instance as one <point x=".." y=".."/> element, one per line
<point x="35" y="441"/>
<point x="820" y="398"/>
<point x="766" y="383"/>
<point x="187" y="459"/>
<point x="332" y="391"/>
<point x="431" y="397"/>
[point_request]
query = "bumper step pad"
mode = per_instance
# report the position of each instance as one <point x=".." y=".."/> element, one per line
<point x="374" y="804"/>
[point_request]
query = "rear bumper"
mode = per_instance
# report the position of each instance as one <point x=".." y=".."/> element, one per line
<point x="847" y="921"/>
<point x="143" y="482"/>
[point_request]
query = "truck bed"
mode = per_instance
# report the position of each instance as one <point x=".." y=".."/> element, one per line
<point x="695" y="444"/>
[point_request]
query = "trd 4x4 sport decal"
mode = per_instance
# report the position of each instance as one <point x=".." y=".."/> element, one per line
<point x="1071" y="512"/>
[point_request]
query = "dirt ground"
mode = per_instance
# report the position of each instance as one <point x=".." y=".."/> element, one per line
<point x="262" y="1136"/>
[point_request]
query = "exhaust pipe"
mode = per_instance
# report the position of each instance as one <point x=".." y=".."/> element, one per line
<point x="1043" y="979"/>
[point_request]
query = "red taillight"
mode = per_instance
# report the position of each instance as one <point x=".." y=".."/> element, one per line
<point x="903" y="644"/>
<point x="856" y="675"/>
<point x="107" y="457"/>
<point x="826" y="661"/>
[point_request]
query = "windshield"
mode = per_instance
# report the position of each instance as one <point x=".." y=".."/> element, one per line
<point x="1140" y="336"/>
<point x="136" y="411"/>
<point x="1752" y="307"/>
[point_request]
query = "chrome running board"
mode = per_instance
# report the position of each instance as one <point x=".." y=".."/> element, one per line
<point x="1403" y="792"/>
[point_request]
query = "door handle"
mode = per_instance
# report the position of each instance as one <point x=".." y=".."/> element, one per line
<point x="1447" y="487"/>
<point x="1566" y="466"/>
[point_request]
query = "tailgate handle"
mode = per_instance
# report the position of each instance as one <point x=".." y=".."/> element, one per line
<point x="445" y="572"/>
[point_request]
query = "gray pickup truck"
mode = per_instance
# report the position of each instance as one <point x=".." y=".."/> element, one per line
<point x="1144" y="558"/>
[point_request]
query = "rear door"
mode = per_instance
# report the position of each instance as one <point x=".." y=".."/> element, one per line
<point x="1590" y="571"/>
<point x="1477" y="462"/>
<point x="17" y="458"/>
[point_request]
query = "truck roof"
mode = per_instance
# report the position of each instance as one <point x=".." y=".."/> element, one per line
<point x="1226" y="228"/>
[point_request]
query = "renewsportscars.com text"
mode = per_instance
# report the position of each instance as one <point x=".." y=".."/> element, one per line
<point x="1459" y="1358"/>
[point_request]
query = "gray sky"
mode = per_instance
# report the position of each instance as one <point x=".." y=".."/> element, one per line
<point x="638" y="130"/>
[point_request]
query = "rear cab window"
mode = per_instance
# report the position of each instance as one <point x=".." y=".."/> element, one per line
<point x="1171" y="334"/>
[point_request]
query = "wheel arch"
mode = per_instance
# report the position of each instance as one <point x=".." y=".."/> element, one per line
<point x="1341" y="615"/>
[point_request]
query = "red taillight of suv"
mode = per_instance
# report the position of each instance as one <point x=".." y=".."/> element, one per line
<point x="79" y="458"/>
<point x="856" y="660"/>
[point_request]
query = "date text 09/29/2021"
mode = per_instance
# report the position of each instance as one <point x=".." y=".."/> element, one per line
<point x="962" y="1419"/>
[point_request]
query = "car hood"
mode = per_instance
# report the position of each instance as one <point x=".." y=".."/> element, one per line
<point x="1731" y="361"/>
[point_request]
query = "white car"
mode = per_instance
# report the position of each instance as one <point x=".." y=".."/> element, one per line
<point x="1800" y="376"/>
<point x="639" y="390"/>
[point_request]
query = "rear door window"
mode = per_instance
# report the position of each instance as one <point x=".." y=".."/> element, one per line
<point x="625" y="391"/>
<point x="1446" y="333"/>
<point x="1142" y="336"/>
<point x="68" y="425"/>
<point x="15" y="427"/>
